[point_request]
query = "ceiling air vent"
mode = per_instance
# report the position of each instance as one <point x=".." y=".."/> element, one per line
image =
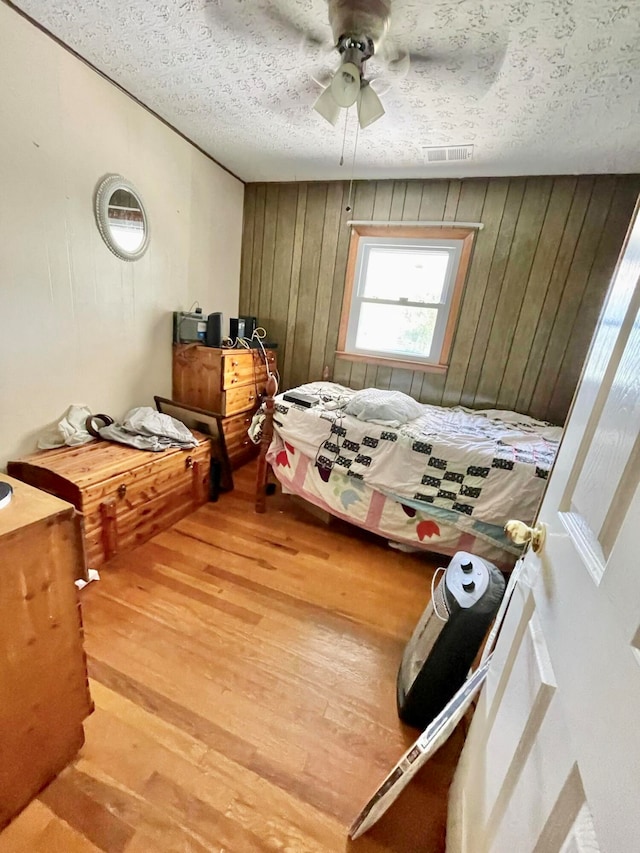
<point x="448" y="153"/>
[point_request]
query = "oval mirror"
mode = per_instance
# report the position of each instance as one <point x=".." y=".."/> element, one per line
<point x="121" y="218"/>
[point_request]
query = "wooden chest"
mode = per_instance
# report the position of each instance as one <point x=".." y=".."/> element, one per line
<point x="124" y="495"/>
<point x="230" y="382"/>
<point x="43" y="676"/>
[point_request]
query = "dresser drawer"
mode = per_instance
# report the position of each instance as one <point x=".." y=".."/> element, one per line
<point x="246" y="367"/>
<point x="239" y="368"/>
<point x="235" y="428"/>
<point x="243" y="454"/>
<point x="240" y="399"/>
<point x="261" y="368"/>
<point x="240" y="448"/>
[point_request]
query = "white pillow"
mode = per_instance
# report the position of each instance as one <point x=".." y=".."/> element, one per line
<point x="390" y="408"/>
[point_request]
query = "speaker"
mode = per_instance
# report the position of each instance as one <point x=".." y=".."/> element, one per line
<point x="236" y="328"/>
<point x="214" y="330"/>
<point x="250" y="324"/>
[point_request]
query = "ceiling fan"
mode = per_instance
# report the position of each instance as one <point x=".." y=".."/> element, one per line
<point x="359" y="28"/>
<point x="472" y="54"/>
<point x="454" y="49"/>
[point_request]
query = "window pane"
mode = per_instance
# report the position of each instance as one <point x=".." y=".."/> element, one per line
<point x="396" y="329"/>
<point x="402" y="273"/>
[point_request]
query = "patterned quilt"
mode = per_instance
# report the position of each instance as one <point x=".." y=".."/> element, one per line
<point x="487" y="465"/>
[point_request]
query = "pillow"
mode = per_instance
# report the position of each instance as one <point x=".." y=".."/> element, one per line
<point x="390" y="408"/>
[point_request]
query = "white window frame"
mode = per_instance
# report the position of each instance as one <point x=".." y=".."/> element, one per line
<point x="456" y="241"/>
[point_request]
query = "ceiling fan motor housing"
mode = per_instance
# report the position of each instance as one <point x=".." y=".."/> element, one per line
<point x="360" y="20"/>
<point x="356" y="49"/>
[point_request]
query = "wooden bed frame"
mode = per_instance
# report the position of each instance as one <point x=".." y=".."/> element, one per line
<point x="267" y="434"/>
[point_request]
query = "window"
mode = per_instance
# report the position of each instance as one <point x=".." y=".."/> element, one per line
<point x="402" y="294"/>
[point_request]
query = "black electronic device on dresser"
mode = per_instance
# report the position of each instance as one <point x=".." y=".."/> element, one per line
<point x="250" y="324"/>
<point x="214" y="330"/>
<point x="242" y="326"/>
<point x="236" y="328"/>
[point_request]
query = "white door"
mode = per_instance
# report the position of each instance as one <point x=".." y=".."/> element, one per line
<point x="552" y="760"/>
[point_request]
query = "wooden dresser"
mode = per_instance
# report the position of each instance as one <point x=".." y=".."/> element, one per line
<point x="227" y="381"/>
<point x="43" y="677"/>
<point x="125" y="495"/>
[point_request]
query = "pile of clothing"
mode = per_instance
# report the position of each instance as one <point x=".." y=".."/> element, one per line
<point x="143" y="428"/>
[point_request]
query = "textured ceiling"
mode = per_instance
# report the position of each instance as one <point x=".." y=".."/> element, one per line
<point x="537" y="86"/>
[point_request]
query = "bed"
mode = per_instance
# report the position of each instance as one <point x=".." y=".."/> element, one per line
<point x="422" y="476"/>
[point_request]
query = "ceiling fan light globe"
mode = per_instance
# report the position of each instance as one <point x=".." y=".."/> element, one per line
<point x="327" y="107"/>
<point x="345" y="85"/>
<point x="370" y="107"/>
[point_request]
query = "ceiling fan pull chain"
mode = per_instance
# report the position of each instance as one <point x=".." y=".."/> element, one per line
<point x="353" y="166"/>
<point x="344" y="137"/>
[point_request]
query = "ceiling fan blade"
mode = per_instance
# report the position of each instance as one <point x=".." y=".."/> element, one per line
<point x="486" y="57"/>
<point x="380" y="85"/>
<point x="453" y="48"/>
<point x="456" y="71"/>
<point x="473" y="75"/>
<point x="397" y="61"/>
<point x="322" y="77"/>
<point x="311" y="37"/>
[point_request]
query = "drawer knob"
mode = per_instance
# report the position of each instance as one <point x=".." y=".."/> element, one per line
<point x="252" y="396"/>
<point x="234" y="364"/>
<point x="188" y="462"/>
<point x="234" y="380"/>
<point x="122" y="490"/>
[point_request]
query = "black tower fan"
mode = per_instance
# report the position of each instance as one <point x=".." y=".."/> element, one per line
<point x="447" y="638"/>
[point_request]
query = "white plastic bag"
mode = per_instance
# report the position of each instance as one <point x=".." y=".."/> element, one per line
<point x="71" y="430"/>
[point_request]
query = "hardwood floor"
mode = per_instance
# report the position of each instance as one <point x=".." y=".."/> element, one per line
<point x="243" y="671"/>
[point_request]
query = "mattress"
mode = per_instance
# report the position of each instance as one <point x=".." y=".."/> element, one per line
<point x="458" y="465"/>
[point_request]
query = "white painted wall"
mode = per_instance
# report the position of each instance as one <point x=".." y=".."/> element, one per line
<point x="78" y="325"/>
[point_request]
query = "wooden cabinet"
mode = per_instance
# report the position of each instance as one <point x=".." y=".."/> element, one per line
<point x="125" y="495"/>
<point x="43" y="677"/>
<point x="227" y="381"/>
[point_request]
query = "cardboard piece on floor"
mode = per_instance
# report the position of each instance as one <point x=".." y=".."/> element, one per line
<point x="436" y="733"/>
<point x="92" y="575"/>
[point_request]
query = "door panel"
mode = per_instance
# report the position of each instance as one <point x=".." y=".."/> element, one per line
<point x="582" y="835"/>
<point x="531" y="688"/>
<point x="570" y="825"/>
<point x="532" y="802"/>
<point x="513" y="628"/>
<point x="551" y="761"/>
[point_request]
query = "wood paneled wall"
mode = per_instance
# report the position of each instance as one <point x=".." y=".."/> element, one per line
<point x="539" y="272"/>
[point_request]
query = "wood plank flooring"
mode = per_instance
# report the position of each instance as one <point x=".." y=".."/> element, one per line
<point x="243" y="671"/>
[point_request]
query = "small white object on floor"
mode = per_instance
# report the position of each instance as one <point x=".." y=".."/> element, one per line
<point x="93" y="576"/>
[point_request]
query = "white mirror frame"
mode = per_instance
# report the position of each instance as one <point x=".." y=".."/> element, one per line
<point x="105" y="190"/>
